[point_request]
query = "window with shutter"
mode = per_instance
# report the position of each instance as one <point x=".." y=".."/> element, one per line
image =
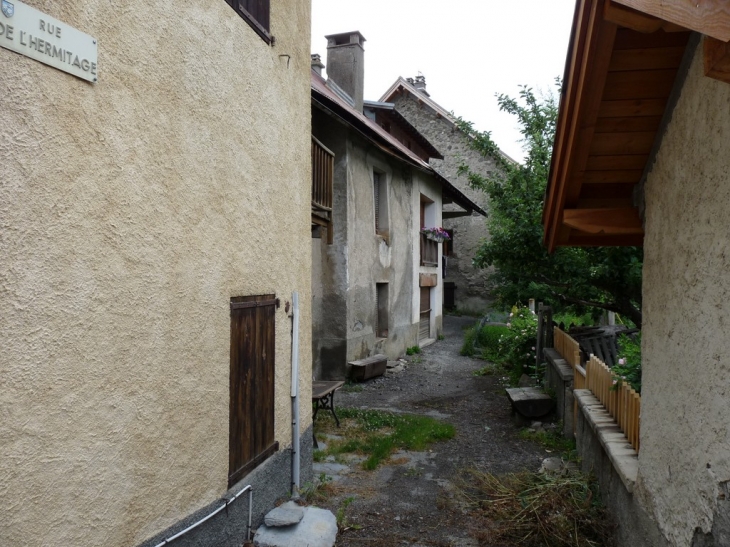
<point x="251" y="423"/>
<point x="256" y="14"/>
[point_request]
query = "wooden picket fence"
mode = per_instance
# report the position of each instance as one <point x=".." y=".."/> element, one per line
<point x="567" y="347"/>
<point x="620" y="400"/>
<point x="622" y="403"/>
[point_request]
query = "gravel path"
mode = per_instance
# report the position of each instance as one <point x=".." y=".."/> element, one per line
<point x="409" y="500"/>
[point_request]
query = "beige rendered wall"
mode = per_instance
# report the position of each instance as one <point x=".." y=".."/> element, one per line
<point x="685" y="429"/>
<point x="131" y="211"/>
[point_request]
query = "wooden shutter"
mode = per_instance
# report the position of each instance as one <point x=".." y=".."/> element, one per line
<point x="258" y="9"/>
<point x="424" y="325"/>
<point x="251" y="429"/>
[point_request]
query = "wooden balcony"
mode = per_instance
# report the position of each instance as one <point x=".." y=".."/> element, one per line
<point x="323" y="170"/>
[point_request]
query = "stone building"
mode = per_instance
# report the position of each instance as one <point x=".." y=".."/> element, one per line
<point x="155" y="225"/>
<point x="469" y="284"/>
<point x="641" y="159"/>
<point x="376" y="279"/>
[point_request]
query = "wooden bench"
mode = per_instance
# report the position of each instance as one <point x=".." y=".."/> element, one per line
<point x="369" y="367"/>
<point x="323" y="396"/>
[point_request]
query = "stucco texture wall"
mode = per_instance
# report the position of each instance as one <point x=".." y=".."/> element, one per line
<point x="684" y="462"/>
<point x="131" y="211"/>
<point x="472" y="292"/>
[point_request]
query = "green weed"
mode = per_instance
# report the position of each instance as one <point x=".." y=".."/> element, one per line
<point x="413" y="350"/>
<point x="377" y="434"/>
<point x="552" y="440"/>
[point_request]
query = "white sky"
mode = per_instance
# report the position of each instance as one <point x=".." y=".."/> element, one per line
<point x="468" y="50"/>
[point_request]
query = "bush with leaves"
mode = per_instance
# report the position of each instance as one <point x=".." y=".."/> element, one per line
<point x="581" y="278"/>
<point x="517" y="344"/>
<point x="628" y="368"/>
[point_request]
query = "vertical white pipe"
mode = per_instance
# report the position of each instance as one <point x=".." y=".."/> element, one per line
<point x="295" y="395"/>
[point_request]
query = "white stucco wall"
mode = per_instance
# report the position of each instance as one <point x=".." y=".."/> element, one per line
<point x="427" y="186"/>
<point x="131" y="211"/>
<point x="685" y="428"/>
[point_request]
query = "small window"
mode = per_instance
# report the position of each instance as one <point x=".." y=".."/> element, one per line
<point x="380" y="202"/>
<point x="381" y="310"/>
<point x="256" y="14"/>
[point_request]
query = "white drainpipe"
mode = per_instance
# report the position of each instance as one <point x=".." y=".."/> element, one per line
<point x="295" y="464"/>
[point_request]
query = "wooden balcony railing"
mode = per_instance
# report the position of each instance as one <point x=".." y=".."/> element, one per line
<point x="323" y="170"/>
<point x="429" y="251"/>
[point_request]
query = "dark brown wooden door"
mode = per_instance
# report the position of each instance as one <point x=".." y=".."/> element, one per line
<point x="251" y="438"/>
<point x="424" y="325"/>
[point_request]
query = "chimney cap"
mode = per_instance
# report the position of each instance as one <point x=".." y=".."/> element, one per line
<point x="345" y="39"/>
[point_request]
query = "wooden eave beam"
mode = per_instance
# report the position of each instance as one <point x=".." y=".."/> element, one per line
<point x="710" y="17"/>
<point x="590" y="58"/>
<point x="635" y="20"/>
<point x="608" y="222"/>
<point x="717" y="59"/>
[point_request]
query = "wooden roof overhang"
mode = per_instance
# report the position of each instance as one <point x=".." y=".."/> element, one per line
<point x="621" y="69"/>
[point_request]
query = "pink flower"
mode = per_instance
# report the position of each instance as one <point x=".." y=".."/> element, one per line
<point x="622" y="361"/>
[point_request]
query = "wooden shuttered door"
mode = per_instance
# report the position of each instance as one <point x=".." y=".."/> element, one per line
<point x="424" y="325"/>
<point x="251" y="430"/>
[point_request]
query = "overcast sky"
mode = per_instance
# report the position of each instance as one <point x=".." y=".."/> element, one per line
<point x="468" y="50"/>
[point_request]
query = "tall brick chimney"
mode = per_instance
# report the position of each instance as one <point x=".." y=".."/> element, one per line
<point x="346" y="64"/>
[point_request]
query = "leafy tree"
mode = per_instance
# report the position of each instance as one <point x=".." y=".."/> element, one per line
<point x="601" y="277"/>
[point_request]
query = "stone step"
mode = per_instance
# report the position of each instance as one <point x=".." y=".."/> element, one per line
<point x="318" y="528"/>
<point x="530" y="402"/>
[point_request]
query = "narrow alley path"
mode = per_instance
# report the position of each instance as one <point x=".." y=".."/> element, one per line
<point x="409" y="501"/>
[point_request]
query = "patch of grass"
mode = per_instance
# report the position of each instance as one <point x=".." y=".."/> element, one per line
<point x="535" y="510"/>
<point x="318" y="491"/>
<point x="440" y="337"/>
<point x="342" y="523"/>
<point x="351" y="387"/>
<point x="413" y="350"/>
<point x="319" y="455"/>
<point x="552" y="440"/>
<point x="377" y="434"/>
<point x="488" y="339"/>
<point x="492" y="369"/>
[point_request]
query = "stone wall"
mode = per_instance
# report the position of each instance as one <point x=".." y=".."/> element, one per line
<point x="684" y="465"/>
<point x="472" y="292"/>
<point x="132" y="211"/>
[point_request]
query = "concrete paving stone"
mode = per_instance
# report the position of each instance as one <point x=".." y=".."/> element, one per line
<point x="318" y="528"/>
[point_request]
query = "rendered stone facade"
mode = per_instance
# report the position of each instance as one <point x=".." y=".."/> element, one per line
<point x="684" y="461"/>
<point x="132" y="211"/>
<point x="472" y="290"/>
<point x="346" y="273"/>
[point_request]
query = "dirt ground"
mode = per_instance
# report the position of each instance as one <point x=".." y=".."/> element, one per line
<point x="410" y="500"/>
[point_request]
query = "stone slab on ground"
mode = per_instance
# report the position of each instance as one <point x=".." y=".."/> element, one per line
<point x="318" y="528"/>
<point x="286" y="514"/>
<point x="530" y="402"/>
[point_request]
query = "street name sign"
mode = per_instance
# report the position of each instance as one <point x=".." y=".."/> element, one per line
<point x="32" y="33"/>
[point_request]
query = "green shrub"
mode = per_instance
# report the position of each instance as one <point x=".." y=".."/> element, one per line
<point x="517" y="343"/>
<point x="628" y="368"/>
<point x="488" y="340"/>
<point x="470" y="338"/>
<point x="413" y="350"/>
